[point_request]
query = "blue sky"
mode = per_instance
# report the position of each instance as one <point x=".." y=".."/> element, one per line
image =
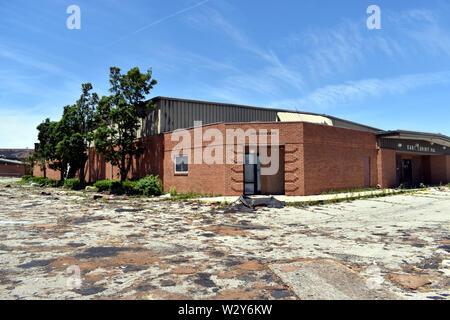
<point x="316" y="56"/>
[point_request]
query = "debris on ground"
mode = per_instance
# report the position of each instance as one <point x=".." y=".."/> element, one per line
<point x="257" y="202"/>
<point x="138" y="248"/>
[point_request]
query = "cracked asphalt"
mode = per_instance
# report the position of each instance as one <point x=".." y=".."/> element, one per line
<point x="396" y="247"/>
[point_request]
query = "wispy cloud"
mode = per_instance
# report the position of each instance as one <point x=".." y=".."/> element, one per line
<point x="26" y="59"/>
<point x="353" y="91"/>
<point x="273" y="72"/>
<point x="154" y="23"/>
<point x="424" y="29"/>
<point x="328" y="51"/>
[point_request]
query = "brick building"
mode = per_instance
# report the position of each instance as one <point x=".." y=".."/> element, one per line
<point x="313" y="153"/>
<point x="11" y="162"/>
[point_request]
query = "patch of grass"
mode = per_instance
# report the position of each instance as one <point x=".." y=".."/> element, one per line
<point x="173" y="191"/>
<point x="74" y="184"/>
<point x="193" y="195"/>
<point x="349" y="191"/>
<point x="384" y="193"/>
<point x="44" y="182"/>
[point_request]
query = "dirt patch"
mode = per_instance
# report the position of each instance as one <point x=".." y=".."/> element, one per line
<point x="146" y="258"/>
<point x="251" y="266"/>
<point x="226" y="231"/>
<point x="241" y="294"/>
<point x="409" y="281"/>
<point x="186" y="270"/>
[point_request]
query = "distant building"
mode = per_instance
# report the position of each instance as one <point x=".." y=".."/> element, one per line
<point x="11" y="162"/>
<point x="316" y="152"/>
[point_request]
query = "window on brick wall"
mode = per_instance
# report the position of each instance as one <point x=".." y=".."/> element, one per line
<point x="181" y="164"/>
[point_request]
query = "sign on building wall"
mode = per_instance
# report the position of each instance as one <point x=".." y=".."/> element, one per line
<point x="413" y="146"/>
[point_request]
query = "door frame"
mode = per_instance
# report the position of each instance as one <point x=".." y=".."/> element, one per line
<point x="256" y="174"/>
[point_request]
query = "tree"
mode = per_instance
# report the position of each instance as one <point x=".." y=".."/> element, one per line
<point x="49" y="136"/>
<point x="119" y="117"/>
<point x="71" y="146"/>
<point x="30" y="162"/>
<point x="44" y="150"/>
<point x="56" y="160"/>
<point x="64" y="145"/>
<point x="79" y="124"/>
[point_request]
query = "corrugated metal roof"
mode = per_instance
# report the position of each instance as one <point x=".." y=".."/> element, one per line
<point x="15" y="154"/>
<point x="7" y="161"/>
<point x="175" y="113"/>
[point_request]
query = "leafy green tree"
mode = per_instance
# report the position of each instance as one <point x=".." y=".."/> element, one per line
<point x="44" y="150"/>
<point x="56" y="160"/>
<point x="86" y="108"/>
<point x="30" y="162"/>
<point x="52" y="149"/>
<point x="76" y="132"/>
<point x="71" y="147"/>
<point x="119" y="117"/>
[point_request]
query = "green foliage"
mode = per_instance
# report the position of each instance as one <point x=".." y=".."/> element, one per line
<point x="64" y="144"/>
<point x="46" y="151"/>
<point x="27" y="178"/>
<point x="173" y="191"/>
<point x="189" y="195"/>
<point x="118" y="116"/>
<point x="103" y="185"/>
<point x="73" y="184"/>
<point x="149" y="186"/>
<point x="30" y="161"/>
<point x="42" y="181"/>
<point x="349" y="190"/>
<point x="116" y="187"/>
<point x="129" y="187"/>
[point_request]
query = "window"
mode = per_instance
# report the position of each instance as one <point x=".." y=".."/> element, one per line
<point x="181" y="164"/>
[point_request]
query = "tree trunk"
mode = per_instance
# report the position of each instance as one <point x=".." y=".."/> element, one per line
<point x="89" y="161"/>
<point x="82" y="178"/>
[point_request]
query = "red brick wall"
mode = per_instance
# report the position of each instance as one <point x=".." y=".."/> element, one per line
<point x="290" y="135"/>
<point x="387" y="168"/>
<point x="438" y="167"/>
<point x="97" y="169"/>
<point x="12" y="170"/>
<point x="201" y="178"/>
<point x="317" y="158"/>
<point x="448" y="169"/>
<point x="228" y="179"/>
<point x="334" y="158"/>
<point x="51" y="174"/>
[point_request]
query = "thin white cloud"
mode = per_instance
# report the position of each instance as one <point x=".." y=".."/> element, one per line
<point x="354" y="91"/>
<point x="154" y="23"/>
<point x="28" y="60"/>
<point x="272" y="74"/>
<point x="326" y="52"/>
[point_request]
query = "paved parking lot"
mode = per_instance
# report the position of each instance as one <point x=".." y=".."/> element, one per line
<point x="394" y="247"/>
